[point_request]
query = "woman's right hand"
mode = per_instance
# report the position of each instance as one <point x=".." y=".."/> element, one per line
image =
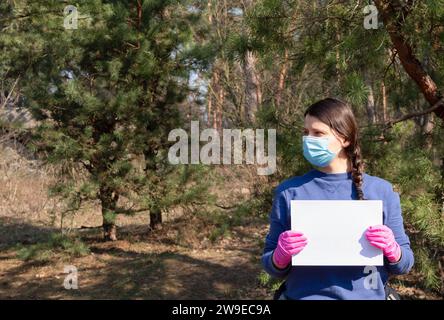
<point x="289" y="243"/>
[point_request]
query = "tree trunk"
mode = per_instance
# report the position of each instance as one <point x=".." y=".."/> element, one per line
<point x="384" y="103"/>
<point x="218" y="94"/>
<point x="155" y="218"/>
<point x="220" y="100"/>
<point x="370" y="105"/>
<point x="209" y="109"/>
<point x="108" y="199"/>
<point x="251" y="80"/>
<point x="252" y="87"/>
<point x="427" y="130"/>
<point x="282" y="76"/>
<point x="393" y="22"/>
<point x="209" y="98"/>
<point x="109" y="231"/>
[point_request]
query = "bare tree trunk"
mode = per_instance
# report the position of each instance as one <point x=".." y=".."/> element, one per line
<point x="425" y="124"/>
<point x="209" y="109"/>
<point x="338" y="55"/>
<point x="427" y="130"/>
<point x="218" y="94"/>
<point x="282" y="76"/>
<point x="252" y="88"/>
<point x="209" y="98"/>
<point x="384" y="103"/>
<point x="219" y="105"/>
<point x="370" y="105"/>
<point x="210" y="13"/>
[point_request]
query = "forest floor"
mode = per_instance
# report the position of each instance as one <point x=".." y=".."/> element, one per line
<point x="146" y="265"/>
<point x="154" y="265"/>
<point x="177" y="261"/>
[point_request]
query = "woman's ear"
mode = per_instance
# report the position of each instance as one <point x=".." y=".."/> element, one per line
<point x="343" y="140"/>
<point x="346" y="144"/>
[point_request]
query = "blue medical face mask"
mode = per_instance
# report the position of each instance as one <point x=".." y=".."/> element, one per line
<point x="316" y="150"/>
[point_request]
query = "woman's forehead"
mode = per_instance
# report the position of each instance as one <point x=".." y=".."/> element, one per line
<point x="314" y="123"/>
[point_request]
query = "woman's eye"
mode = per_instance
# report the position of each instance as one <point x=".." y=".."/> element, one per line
<point x="316" y="133"/>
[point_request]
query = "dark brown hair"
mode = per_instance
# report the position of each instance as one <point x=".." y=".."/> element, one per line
<point x="339" y="116"/>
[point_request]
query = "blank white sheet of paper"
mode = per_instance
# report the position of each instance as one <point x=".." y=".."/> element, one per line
<point x="335" y="231"/>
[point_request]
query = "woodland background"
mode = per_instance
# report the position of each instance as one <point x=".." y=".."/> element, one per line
<point x="85" y="115"/>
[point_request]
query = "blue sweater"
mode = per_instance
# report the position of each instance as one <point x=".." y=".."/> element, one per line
<point x="335" y="282"/>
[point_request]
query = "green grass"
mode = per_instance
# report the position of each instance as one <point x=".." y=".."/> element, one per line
<point x="55" y="244"/>
<point x="222" y="221"/>
<point x="270" y="283"/>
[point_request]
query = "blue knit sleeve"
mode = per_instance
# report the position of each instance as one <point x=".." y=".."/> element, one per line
<point x="394" y="221"/>
<point x="277" y="218"/>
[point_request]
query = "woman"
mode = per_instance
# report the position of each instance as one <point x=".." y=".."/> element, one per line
<point x="330" y="143"/>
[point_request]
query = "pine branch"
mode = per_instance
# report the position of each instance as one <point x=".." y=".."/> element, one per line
<point x="29" y="15"/>
<point x="393" y="23"/>
<point x="437" y="105"/>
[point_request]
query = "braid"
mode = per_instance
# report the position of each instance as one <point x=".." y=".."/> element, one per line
<point x="357" y="170"/>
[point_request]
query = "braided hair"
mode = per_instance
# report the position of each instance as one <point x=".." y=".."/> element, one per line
<point x="339" y="116"/>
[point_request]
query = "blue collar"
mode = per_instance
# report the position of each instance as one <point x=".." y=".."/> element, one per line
<point x="330" y="176"/>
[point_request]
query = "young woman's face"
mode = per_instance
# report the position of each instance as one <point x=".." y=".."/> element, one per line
<point x="314" y="127"/>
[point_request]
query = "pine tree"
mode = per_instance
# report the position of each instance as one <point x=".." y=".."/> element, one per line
<point x="104" y="93"/>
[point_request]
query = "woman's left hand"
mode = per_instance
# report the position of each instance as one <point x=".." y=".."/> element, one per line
<point x="382" y="237"/>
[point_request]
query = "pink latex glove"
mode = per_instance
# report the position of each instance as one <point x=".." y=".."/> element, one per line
<point x="289" y="243"/>
<point x="382" y="237"/>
